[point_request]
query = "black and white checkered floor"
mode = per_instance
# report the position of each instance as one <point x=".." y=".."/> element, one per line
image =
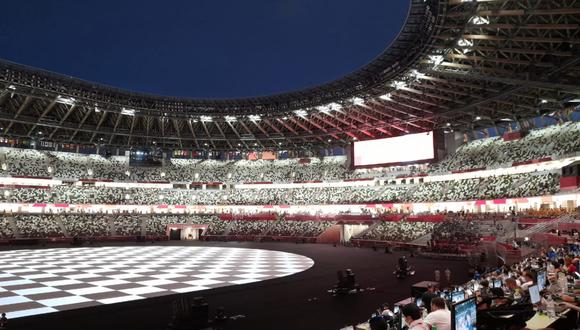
<point x="44" y="281"/>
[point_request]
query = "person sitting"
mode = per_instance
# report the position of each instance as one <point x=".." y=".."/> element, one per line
<point x="412" y="317"/>
<point x="440" y="317"/>
<point x="3" y="321"/>
<point x="528" y="280"/>
<point x="428" y="296"/>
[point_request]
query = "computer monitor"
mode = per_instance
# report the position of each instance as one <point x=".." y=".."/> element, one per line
<point x="534" y="294"/>
<point x="541" y="279"/>
<point x="464" y="315"/>
<point x="497" y="283"/>
<point x="457" y="296"/>
<point x="419" y="302"/>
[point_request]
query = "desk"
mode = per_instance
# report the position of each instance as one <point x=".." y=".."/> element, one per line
<point x="418" y="289"/>
<point x="363" y="326"/>
<point x="542" y="321"/>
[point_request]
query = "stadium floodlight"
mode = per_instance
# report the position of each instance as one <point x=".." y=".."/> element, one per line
<point x="206" y="119"/>
<point x="416" y="74"/>
<point x="65" y="100"/>
<point x="386" y="97"/>
<point x="254" y="117"/>
<point x="464" y="43"/>
<point x="301" y="113"/>
<point x="128" y="112"/>
<point x="358" y="101"/>
<point x="230" y="119"/>
<point x="478" y="20"/>
<point x="398" y="84"/>
<point x="436" y="60"/>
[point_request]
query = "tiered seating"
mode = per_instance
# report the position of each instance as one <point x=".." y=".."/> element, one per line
<point x="401" y="231"/>
<point x="37" y="226"/>
<point x="5" y="229"/>
<point x="553" y="141"/>
<point x="86" y="225"/>
<point x="299" y="228"/>
<point x="127" y="225"/>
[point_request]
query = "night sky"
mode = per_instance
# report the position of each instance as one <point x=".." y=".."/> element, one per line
<point x="200" y="48"/>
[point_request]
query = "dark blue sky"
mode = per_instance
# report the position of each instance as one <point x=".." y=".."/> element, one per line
<point x="200" y="48"/>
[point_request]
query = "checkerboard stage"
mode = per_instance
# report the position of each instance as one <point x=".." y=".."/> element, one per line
<point x="50" y="280"/>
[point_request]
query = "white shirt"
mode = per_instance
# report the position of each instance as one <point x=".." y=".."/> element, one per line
<point x="440" y="318"/>
<point x="418" y="325"/>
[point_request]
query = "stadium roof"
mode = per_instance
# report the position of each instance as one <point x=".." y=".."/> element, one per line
<point x="455" y="64"/>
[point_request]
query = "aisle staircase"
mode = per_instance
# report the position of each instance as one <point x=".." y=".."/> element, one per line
<point x="13" y="225"/>
<point x="370" y="228"/>
<point x="421" y="240"/>
<point x="61" y="226"/>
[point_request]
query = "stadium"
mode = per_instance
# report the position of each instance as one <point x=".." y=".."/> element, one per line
<point x="449" y="162"/>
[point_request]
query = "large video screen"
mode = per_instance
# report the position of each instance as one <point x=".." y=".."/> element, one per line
<point x="402" y="149"/>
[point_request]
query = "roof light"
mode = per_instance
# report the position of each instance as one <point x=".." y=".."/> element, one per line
<point x="464" y="43"/>
<point x="301" y="113"/>
<point x="416" y="74"/>
<point x="230" y="119"/>
<point x="398" y="84"/>
<point x="65" y="100"/>
<point x="206" y="119"/>
<point x="254" y="117"/>
<point x="358" y="101"/>
<point x="12" y="87"/>
<point x="544" y="101"/>
<point x="478" y="20"/>
<point x="386" y="97"/>
<point x="478" y="118"/>
<point x="128" y="112"/>
<point x="436" y="60"/>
